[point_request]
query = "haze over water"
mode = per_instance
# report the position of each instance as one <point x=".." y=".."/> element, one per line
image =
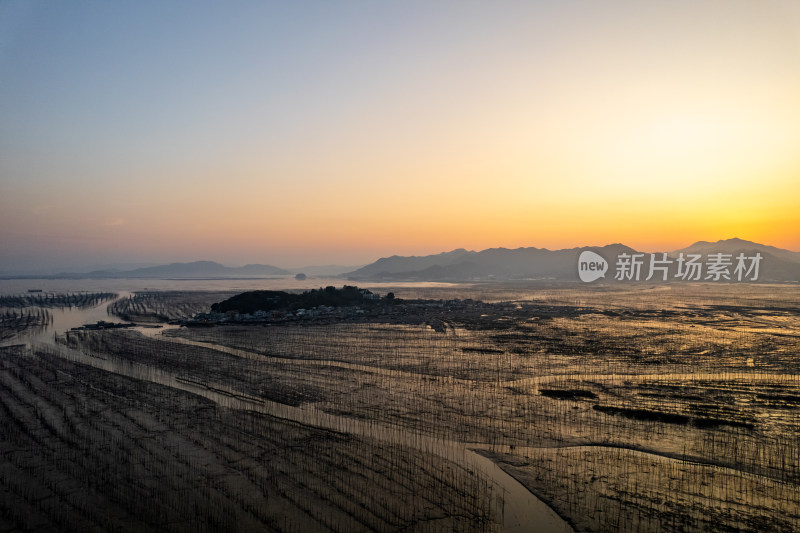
<point x="265" y="132"/>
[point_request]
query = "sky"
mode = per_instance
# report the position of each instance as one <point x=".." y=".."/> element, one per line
<point x="296" y="133"/>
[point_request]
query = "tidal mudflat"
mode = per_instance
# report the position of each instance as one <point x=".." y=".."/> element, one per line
<point x="621" y="408"/>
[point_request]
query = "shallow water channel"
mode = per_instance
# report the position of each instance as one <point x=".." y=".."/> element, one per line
<point x="521" y="510"/>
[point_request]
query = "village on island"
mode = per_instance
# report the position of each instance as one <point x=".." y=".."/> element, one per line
<point x="349" y="302"/>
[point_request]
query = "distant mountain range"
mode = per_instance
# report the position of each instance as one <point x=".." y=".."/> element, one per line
<point x="324" y="270"/>
<point x="193" y="270"/>
<point x="740" y="245"/>
<point x="463" y="265"/>
<point x="196" y="269"/>
<point x="562" y="265"/>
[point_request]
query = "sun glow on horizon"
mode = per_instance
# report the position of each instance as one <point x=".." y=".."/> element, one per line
<point x="336" y="136"/>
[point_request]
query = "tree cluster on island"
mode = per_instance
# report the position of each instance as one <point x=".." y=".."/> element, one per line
<point x="264" y="300"/>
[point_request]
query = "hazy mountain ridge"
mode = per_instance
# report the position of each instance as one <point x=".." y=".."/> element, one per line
<point x="503" y="263"/>
<point x="195" y="269"/>
<point x="541" y="263"/>
<point x="397" y="263"/>
<point x="777" y="264"/>
<point x="736" y="245"/>
<point x="324" y="270"/>
<point x="459" y="265"/>
<point x="191" y="270"/>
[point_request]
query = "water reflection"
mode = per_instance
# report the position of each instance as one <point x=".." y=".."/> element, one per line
<point x="520" y="509"/>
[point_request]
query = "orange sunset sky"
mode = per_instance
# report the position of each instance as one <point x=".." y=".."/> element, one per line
<point x="296" y="133"/>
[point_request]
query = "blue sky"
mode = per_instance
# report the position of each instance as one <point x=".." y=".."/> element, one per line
<point x="300" y="132"/>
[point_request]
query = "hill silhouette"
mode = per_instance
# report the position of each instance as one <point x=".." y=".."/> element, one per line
<point x="252" y="301"/>
<point x="493" y="263"/>
<point x="195" y="269"/>
<point x="541" y="263"/>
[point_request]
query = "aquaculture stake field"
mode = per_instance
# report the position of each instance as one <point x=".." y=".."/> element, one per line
<point x="629" y="408"/>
